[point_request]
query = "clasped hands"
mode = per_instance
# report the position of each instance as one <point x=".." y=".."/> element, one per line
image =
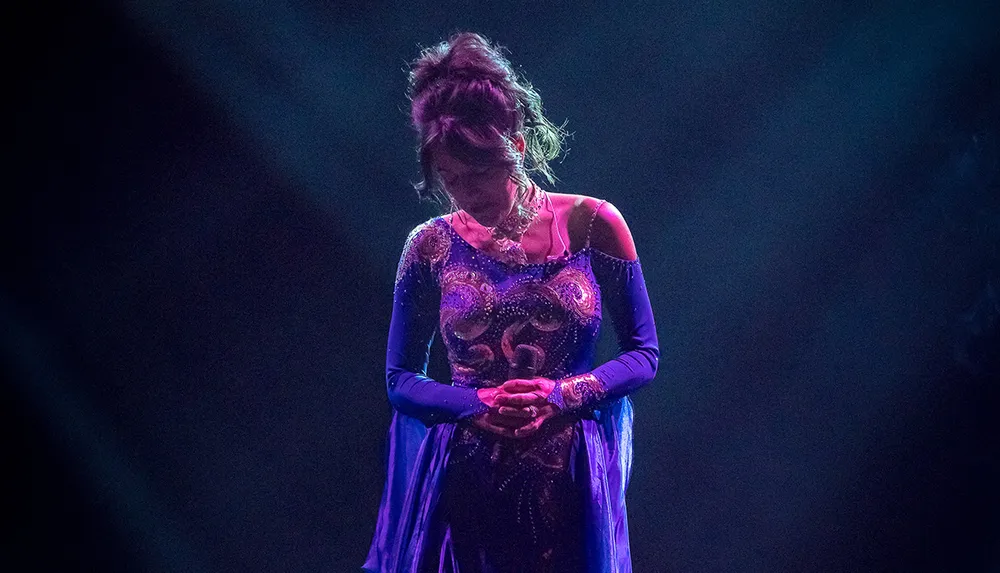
<point x="518" y="407"/>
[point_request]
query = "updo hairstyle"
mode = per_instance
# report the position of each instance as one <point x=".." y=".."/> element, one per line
<point x="466" y="99"/>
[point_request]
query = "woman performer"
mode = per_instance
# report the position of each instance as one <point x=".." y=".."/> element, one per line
<point x="520" y="463"/>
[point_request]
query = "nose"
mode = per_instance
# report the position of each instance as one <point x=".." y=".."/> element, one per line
<point x="467" y="189"/>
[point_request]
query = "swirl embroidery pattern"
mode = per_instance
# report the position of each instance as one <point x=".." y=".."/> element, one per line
<point x="485" y="314"/>
<point x="427" y="243"/>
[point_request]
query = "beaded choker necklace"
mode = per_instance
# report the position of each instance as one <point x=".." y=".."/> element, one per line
<point x="515" y="224"/>
<point x="507" y="234"/>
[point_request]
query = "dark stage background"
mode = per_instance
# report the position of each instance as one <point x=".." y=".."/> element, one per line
<point x="209" y="199"/>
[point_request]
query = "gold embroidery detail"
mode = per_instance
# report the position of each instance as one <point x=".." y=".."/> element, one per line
<point x="467" y="302"/>
<point x="576" y="292"/>
<point x="427" y="243"/>
<point x="581" y="390"/>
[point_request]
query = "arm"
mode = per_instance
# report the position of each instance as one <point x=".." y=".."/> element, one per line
<point x="415" y="307"/>
<point x="623" y="295"/>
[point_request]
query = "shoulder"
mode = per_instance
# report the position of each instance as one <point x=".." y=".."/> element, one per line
<point x="602" y="222"/>
<point x="427" y="243"/>
<point x="427" y="230"/>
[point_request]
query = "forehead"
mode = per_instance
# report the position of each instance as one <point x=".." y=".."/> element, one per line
<point x="444" y="161"/>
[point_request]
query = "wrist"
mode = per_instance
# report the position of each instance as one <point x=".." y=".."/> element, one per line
<point x="488" y="397"/>
<point x="576" y="392"/>
<point x="555" y="397"/>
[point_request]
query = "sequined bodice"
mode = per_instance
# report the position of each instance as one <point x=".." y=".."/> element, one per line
<point x="497" y="492"/>
<point x="488" y="308"/>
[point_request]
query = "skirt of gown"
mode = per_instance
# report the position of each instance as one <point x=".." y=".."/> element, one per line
<point x="445" y="508"/>
<point x="509" y="505"/>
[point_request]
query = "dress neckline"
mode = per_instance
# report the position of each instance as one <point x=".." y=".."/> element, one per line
<point x="559" y="259"/>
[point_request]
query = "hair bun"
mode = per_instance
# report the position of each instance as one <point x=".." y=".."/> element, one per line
<point x="448" y="72"/>
<point x="465" y="57"/>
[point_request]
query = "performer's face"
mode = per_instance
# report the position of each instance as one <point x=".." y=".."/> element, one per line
<point x="486" y="192"/>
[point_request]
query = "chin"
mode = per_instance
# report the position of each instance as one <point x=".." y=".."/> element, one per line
<point x="487" y="219"/>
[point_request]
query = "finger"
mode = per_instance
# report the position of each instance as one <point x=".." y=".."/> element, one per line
<point x="518" y="385"/>
<point x="515" y="412"/>
<point x="485" y="424"/>
<point x="520" y="400"/>
<point x="507" y="421"/>
<point x="529" y="429"/>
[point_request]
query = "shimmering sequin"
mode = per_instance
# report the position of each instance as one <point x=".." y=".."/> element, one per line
<point x="487" y="308"/>
<point x="553" y="306"/>
<point x="428" y="243"/>
<point x="522" y="488"/>
<point x="476" y="359"/>
<point x="507" y="343"/>
<point x="503" y="504"/>
<point x="581" y="389"/>
<point x="576" y="292"/>
<point x="467" y="303"/>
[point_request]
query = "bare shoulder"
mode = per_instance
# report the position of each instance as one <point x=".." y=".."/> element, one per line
<point x="609" y="233"/>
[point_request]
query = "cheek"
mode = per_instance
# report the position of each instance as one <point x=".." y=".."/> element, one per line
<point x="460" y="194"/>
<point x="485" y="191"/>
<point x="498" y="189"/>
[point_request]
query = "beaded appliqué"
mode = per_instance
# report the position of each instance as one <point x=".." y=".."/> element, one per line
<point x="577" y="391"/>
<point x="482" y="319"/>
<point x="427" y="243"/>
<point x="525" y="484"/>
<point x="576" y="292"/>
<point x="514" y="225"/>
<point x="468" y="301"/>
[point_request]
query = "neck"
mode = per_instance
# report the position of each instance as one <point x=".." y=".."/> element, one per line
<point x="521" y="215"/>
<point x="506" y="236"/>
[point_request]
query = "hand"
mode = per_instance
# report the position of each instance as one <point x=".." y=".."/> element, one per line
<point x="506" y="426"/>
<point x="527" y="400"/>
<point x="502" y="424"/>
<point x="522" y="393"/>
<point x="518" y="408"/>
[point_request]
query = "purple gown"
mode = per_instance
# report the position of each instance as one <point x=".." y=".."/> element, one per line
<point x="460" y="500"/>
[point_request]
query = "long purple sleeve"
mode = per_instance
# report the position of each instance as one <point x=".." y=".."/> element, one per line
<point x="624" y="297"/>
<point x="415" y="311"/>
